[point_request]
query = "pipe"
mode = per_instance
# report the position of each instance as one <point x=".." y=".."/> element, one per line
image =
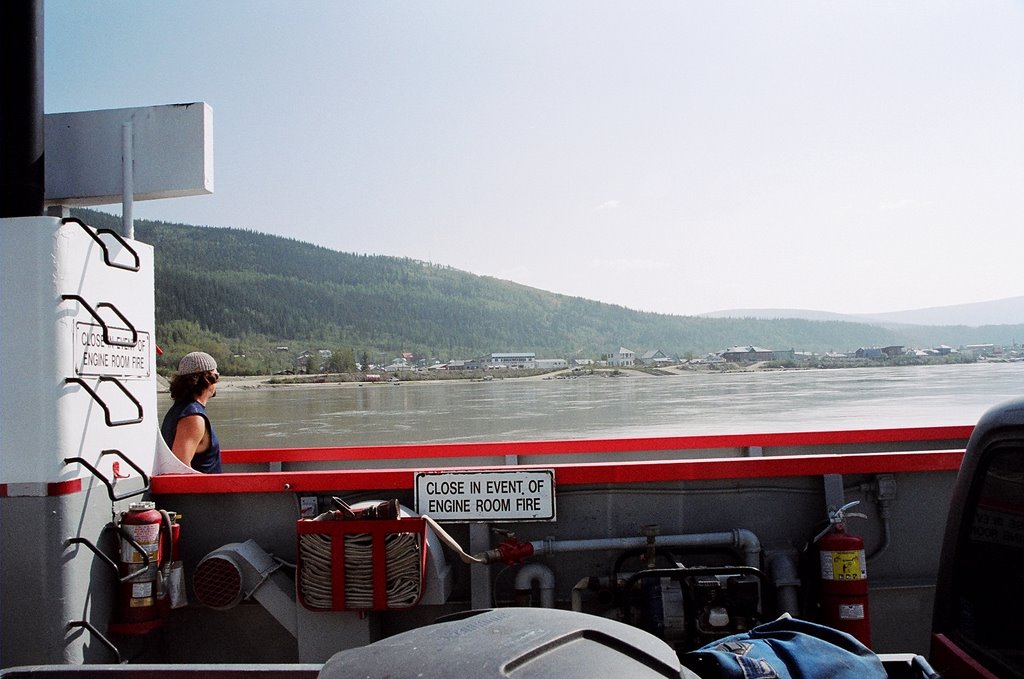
<point x="884" y="544"/>
<point x="545" y="579"/>
<point x="127" y="180"/>
<point x="22" y="172"/>
<point x="740" y="540"/>
<point x="782" y="567"/>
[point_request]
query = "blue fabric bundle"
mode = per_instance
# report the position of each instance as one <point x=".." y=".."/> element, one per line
<point x="786" y="648"/>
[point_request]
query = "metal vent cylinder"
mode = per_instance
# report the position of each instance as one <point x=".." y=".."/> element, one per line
<point x="240" y="570"/>
<point x="218" y="581"/>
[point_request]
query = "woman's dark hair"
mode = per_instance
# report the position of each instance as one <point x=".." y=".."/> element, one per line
<point x="188" y="387"/>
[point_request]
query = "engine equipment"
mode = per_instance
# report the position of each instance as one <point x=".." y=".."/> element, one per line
<point x="691" y="606"/>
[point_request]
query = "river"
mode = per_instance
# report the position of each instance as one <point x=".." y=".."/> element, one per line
<point x="610" y="407"/>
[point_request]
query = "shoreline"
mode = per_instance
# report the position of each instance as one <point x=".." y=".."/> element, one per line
<point x="247" y="382"/>
<point x="230" y="383"/>
<point x="233" y="383"/>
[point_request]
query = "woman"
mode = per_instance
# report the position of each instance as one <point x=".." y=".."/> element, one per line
<point x="186" y="428"/>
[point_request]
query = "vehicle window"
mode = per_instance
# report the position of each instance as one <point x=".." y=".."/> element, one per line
<point x="989" y="574"/>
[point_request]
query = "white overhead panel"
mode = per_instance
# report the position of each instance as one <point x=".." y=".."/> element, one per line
<point x="172" y="147"/>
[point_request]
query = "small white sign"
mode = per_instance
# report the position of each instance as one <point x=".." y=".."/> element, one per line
<point x="94" y="356"/>
<point x="527" y="495"/>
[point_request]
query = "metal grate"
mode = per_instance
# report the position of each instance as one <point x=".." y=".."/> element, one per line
<point x="217" y="583"/>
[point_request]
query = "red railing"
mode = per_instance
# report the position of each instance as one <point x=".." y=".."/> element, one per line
<point x="585" y="473"/>
<point x="594" y="446"/>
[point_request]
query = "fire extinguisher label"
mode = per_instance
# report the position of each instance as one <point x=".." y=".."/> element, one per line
<point x="845" y="565"/>
<point x="851" y="611"/>
<point x="142" y="595"/>
<point x="148" y="537"/>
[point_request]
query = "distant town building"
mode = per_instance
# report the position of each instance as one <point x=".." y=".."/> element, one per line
<point x="622" y="358"/>
<point x="747" y="354"/>
<point x="891" y="351"/>
<point x="979" y="350"/>
<point x="551" y="363"/>
<point x="510" y="360"/>
<point x="655" y="357"/>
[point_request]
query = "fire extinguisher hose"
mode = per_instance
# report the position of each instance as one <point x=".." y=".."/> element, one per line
<point x="167" y="533"/>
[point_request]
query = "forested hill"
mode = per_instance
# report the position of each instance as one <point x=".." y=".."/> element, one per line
<point x="241" y="284"/>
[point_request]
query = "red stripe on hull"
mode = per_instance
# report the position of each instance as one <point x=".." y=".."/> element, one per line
<point x="37" y="489"/>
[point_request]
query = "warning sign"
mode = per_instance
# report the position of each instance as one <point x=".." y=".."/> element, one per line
<point x="527" y="495"/>
<point x="843" y="565"/>
<point x="94" y="356"/>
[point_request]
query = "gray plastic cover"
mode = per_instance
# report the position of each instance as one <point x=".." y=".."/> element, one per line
<point x="520" y="643"/>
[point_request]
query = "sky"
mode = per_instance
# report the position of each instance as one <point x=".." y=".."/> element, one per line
<point x="679" y="157"/>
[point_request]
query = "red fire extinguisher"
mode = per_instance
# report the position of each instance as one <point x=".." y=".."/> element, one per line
<point x="844" y="577"/>
<point x="144" y="567"/>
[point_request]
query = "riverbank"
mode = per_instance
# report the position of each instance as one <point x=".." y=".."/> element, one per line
<point x="230" y="383"/>
<point x="242" y="383"/>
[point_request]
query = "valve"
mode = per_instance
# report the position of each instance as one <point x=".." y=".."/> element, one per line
<point x="837" y="519"/>
<point x="510" y="551"/>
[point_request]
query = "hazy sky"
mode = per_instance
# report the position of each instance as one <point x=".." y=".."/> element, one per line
<point x="678" y="157"/>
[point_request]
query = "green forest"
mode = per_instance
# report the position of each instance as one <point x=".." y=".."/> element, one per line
<point x="244" y="296"/>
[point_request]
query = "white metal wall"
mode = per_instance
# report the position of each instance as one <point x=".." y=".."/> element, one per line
<point x="51" y="584"/>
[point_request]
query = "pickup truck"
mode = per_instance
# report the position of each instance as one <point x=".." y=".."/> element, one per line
<point x="979" y="598"/>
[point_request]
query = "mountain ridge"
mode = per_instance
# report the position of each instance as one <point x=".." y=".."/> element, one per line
<point x="1003" y="311"/>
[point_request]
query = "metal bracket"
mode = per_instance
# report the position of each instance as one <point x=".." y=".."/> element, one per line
<point x="95" y="550"/>
<point x="834" y="494"/>
<point x="103" y="324"/>
<point x="85" y="624"/>
<point x="96" y="397"/>
<point x="110" y="562"/>
<point x="95" y="235"/>
<point x="106" y="482"/>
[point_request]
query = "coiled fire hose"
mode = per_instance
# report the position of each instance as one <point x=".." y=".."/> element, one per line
<point x="402" y="564"/>
<point x="402" y="561"/>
